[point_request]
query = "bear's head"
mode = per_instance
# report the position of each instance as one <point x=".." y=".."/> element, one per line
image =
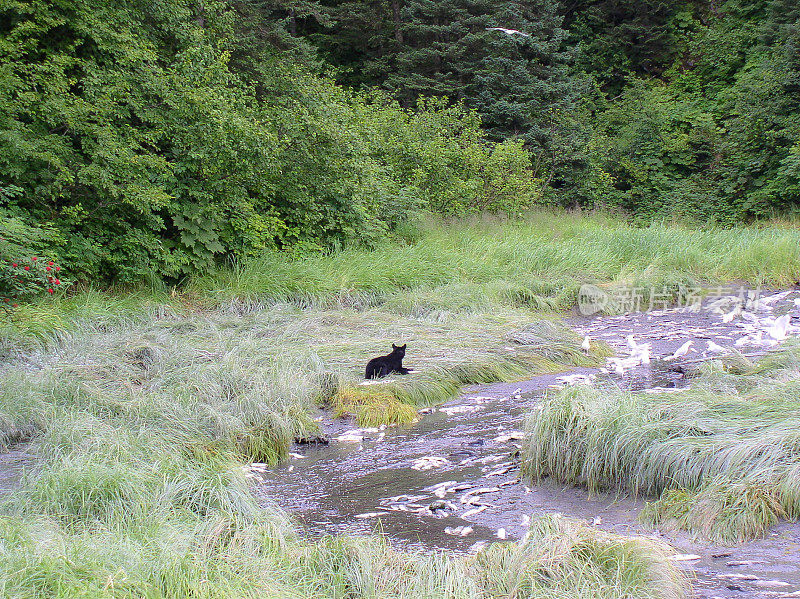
<point x="399" y="350"/>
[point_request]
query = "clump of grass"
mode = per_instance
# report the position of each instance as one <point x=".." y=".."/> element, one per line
<point x="724" y="511"/>
<point x="369" y="567"/>
<point x="562" y="558"/>
<point x="372" y="407"/>
<point x="730" y="443"/>
<point x="558" y="558"/>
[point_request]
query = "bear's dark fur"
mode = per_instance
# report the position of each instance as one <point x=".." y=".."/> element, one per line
<point x="388" y="364"/>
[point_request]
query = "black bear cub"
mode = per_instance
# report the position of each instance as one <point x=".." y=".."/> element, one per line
<point x="385" y="365"/>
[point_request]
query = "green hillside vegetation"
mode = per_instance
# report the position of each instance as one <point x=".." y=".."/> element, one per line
<point x="150" y="141"/>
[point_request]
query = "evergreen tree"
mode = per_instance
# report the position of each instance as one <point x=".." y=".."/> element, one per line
<point x="624" y="38"/>
<point x="505" y="59"/>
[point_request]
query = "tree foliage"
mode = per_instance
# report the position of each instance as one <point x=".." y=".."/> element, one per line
<point x="149" y="139"/>
<point x="154" y="138"/>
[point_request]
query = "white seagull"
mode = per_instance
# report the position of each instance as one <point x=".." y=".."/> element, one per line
<point x="508" y="31"/>
<point x="680" y="352"/>
<point x="640" y="351"/>
<point x="585" y="344"/>
<point x="778" y="330"/>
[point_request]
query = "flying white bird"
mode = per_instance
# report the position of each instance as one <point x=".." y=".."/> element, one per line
<point x="640" y="351"/>
<point x="680" y="352"/>
<point x="508" y="31"/>
<point x="778" y="329"/>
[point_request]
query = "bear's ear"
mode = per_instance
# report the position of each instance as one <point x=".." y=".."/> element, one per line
<point x="403" y="346"/>
<point x="394" y="346"/>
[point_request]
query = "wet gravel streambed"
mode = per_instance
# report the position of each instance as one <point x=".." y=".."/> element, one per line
<point x="451" y="481"/>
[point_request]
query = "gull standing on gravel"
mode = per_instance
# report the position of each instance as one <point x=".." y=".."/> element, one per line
<point x="680" y="352"/>
<point x="714" y="348"/>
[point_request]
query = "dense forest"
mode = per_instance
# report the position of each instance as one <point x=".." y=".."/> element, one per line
<point x="149" y="139"/>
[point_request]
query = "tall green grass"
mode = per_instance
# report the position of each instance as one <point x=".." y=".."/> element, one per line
<point x="141" y="408"/>
<point x="537" y="262"/>
<point x="724" y="456"/>
<point x="140" y="430"/>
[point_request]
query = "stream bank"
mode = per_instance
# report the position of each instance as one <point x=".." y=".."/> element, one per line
<point x="451" y="481"/>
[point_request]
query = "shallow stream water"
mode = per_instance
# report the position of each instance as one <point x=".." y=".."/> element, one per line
<point x="451" y="481"/>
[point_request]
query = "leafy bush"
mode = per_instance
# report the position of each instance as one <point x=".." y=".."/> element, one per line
<point x="25" y="271"/>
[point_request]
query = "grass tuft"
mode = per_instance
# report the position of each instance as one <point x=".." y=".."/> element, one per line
<point x="724" y="456"/>
<point x="562" y="558"/>
<point x="724" y="511"/>
<point x="372" y="407"/>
